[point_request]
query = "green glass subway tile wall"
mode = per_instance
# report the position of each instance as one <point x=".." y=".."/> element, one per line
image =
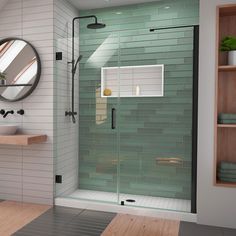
<point x="150" y="151"/>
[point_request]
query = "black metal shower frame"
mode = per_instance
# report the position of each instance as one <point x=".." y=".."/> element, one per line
<point x="194" y="103"/>
<point x="72" y="113"/>
<point x="194" y="109"/>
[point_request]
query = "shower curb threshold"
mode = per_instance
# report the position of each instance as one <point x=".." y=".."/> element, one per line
<point x="109" y="207"/>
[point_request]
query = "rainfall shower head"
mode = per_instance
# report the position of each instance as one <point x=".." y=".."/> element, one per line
<point x="74" y="63"/>
<point x="96" y="25"/>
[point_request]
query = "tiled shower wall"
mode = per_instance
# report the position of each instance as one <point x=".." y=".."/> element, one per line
<point x="65" y="132"/>
<point x="26" y="173"/>
<point x="149" y="128"/>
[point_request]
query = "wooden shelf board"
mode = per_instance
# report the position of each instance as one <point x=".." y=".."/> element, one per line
<point x="225" y="184"/>
<point x="225" y="136"/>
<point x="22" y="139"/>
<point x="227" y="68"/>
<point x="226" y="125"/>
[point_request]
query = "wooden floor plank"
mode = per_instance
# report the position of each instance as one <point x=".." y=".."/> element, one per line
<point x="130" y="225"/>
<point x="15" y="215"/>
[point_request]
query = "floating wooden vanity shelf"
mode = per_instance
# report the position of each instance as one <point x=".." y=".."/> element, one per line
<point x="22" y="139"/>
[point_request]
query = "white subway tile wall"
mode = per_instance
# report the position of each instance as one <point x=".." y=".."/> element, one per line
<point x="26" y="173"/>
<point x="65" y="132"/>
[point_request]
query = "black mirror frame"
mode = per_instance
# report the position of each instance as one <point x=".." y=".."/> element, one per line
<point x="38" y="75"/>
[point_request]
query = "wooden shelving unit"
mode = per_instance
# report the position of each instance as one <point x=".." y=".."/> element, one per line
<point x="225" y="184"/>
<point x="227" y="68"/>
<point x="225" y="134"/>
<point x="226" y="125"/>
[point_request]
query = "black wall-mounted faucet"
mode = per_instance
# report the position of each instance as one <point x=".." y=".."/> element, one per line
<point x="2" y="112"/>
<point x="8" y="112"/>
<point x="21" y="112"/>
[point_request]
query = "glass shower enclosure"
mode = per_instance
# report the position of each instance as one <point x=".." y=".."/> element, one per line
<point x="137" y="118"/>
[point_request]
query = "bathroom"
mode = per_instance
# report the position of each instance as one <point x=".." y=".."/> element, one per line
<point x="146" y="158"/>
<point x="115" y="119"/>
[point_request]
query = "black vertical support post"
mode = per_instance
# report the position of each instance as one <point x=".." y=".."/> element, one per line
<point x="73" y="70"/>
<point x="195" y="119"/>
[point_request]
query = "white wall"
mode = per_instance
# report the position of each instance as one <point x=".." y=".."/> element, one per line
<point x="65" y="132"/>
<point x="26" y="173"/>
<point x="3" y="3"/>
<point x="215" y="205"/>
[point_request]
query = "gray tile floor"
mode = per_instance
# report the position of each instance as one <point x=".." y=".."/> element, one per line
<point x="192" y="229"/>
<point x="63" y="221"/>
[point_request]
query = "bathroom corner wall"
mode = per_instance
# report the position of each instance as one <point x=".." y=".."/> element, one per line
<point x="26" y="173"/>
<point x="65" y="132"/>
<point x="215" y="205"/>
<point x="2" y="3"/>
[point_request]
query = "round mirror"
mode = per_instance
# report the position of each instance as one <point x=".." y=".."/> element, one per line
<point x="20" y="69"/>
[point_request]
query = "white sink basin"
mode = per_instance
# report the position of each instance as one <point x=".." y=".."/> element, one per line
<point x="8" y="129"/>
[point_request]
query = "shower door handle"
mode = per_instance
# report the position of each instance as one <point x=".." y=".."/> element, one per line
<point x="113" y="118"/>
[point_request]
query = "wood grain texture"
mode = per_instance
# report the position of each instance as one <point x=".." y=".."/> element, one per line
<point x="226" y="27"/>
<point x="227" y="68"/>
<point x="217" y="64"/>
<point x="22" y="139"/>
<point x="226" y="145"/>
<point x="225" y="184"/>
<point x="225" y="134"/>
<point x="226" y="93"/>
<point x="15" y="215"/>
<point x="227" y="10"/>
<point x="226" y="125"/>
<point x="129" y="225"/>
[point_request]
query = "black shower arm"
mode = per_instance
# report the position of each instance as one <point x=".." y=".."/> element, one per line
<point x="171" y="27"/>
<point x="73" y="32"/>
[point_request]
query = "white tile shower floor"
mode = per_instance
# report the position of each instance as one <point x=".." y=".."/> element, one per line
<point x="140" y="200"/>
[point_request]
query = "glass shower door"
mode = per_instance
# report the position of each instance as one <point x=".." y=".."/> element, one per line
<point x="98" y="155"/>
<point x="155" y="118"/>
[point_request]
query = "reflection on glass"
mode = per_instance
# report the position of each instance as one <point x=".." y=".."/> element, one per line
<point x="101" y="56"/>
<point x="10" y="52"/>
<point x="26" y="76"/>
<point x="101" y="107"/>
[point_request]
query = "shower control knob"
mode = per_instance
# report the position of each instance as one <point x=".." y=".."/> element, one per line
<point x="2" y="112"/>
<point x="21" y="112"/>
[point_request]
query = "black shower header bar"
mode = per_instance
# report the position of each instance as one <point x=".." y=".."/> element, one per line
<point x="172" y="27"/>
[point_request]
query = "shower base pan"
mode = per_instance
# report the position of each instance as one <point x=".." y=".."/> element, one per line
<point x="142" y="205"/>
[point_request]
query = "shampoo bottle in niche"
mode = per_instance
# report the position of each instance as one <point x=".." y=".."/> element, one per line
<point x="137" y="91"/>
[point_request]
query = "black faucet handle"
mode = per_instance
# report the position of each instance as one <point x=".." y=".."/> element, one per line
<point x="21" y="112"/>
<point x="2" y="112"/>
<point x="8" y="112"/>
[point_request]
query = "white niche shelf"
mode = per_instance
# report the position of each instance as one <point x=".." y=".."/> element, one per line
<point x="133" y="81"/>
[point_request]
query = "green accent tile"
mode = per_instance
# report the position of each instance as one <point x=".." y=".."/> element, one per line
<point x="147" y="128"/>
